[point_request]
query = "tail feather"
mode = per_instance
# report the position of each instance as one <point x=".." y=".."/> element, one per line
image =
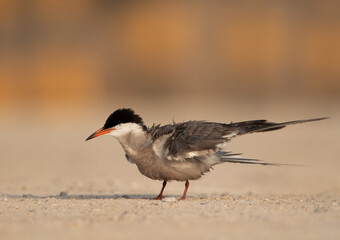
<point x="235" y="158"/>
<point x="241" y="128"/>
<point x="264" y="126"/>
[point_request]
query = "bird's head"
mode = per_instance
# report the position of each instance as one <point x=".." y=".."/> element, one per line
<point x="120" y="122"/>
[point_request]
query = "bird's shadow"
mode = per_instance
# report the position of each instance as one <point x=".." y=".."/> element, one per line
<point x="66" y="196"/>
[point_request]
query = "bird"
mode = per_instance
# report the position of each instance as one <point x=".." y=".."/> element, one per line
<point x="181" y="151"/>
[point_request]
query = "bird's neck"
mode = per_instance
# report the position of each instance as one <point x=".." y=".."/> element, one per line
<point x="135" y="141"/>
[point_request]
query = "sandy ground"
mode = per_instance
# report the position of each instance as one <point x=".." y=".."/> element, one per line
<point x="214" y="216"/>
<point x="53" y="185"/>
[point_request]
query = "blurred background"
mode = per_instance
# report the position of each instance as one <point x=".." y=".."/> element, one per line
<point x="66" y="65"/>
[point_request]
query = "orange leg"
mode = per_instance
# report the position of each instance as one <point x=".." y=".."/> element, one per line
<point x="160" y="195"/>
<point x="185" y="190"/>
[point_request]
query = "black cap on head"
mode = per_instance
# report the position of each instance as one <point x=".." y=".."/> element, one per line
<point x="123" y="115"/>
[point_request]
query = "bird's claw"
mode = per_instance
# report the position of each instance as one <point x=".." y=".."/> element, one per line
<point x="159" y="197"/>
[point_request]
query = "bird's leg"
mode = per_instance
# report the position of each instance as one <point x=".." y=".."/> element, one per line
<point x="160" y="195"/>
<point x="185" y="190"/>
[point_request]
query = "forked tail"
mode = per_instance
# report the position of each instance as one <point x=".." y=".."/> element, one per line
<point x="257" y="126"/>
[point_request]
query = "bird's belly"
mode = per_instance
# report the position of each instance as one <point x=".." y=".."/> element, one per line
<point x="178" y="171"/>
<point x="146" y="166"/>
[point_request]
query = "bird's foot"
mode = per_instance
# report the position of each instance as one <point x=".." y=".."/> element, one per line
<point x="159" y="197"/>
<point x="185" y="190"/>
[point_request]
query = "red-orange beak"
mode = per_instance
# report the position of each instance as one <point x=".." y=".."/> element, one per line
<point x="101" y="131"/>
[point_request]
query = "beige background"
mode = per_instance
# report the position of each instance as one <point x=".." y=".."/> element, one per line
<point x="65" y="66"/>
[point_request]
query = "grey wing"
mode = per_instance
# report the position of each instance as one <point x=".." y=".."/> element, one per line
<point x="196" y="139"/>
<point x="157" y="131"/>
<point x="199" y="138"/>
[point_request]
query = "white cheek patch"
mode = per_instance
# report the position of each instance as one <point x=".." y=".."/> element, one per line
<point x="126" y="128"/>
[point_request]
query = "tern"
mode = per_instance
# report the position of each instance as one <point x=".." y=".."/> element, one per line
<point x="181" y="151"/>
